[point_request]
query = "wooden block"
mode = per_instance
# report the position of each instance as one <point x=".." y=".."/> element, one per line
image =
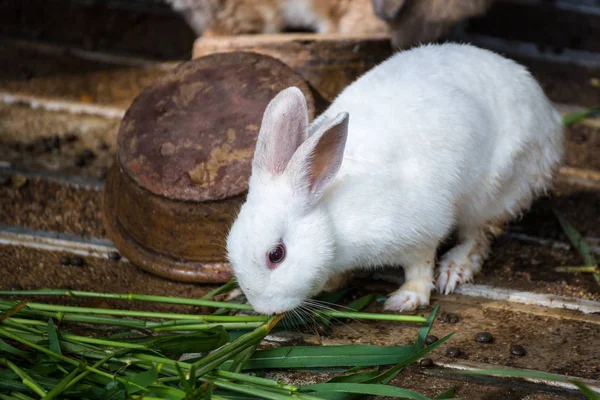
<point x="328" y="62"/>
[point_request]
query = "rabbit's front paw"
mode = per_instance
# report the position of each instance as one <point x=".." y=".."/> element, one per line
<point x="410" y="296"/>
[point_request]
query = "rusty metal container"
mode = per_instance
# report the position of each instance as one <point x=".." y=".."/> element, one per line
<point x="329" y="62"/>
<point x="184" y="153"/>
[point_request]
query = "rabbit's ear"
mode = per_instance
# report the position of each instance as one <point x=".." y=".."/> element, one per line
<point x="318" y="160"/>
<point x="387" y="10"/>
<point x="284" y="127"/>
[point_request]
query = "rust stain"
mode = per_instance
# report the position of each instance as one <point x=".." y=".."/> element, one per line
<point x="188" y="92"/>
<point x="197" y="125"/>
<point x="197" y="175"/>
<point x="167" y="149"/>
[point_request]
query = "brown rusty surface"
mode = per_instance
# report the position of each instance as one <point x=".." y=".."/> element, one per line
<point x="328" y="62"/>
<point x="191" y="135"/>
<point x="175" y="240"/>
<point x="195" y="230"/>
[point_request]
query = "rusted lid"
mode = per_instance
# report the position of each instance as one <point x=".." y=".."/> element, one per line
<point x="191" y="134"/>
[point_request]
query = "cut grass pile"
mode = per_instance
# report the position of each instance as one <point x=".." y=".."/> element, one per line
<point x="138" y="354"/>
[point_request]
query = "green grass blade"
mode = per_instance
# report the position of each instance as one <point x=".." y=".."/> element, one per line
<point x="25" y="378"/>
<point x="7" y="397"/>
<point x="53" y="343"/>
<point x="365" y="389"/>
<point x="98" y="364"/>
<point x="328" y="356"/>
<point x="588" y="269"/>
<point x="254" y="380"/>
<point x="387" y="376"/>
<point x="240" y="361"/>
<point x="229" y="286"/>
<point x="4" y="304"/>
<point x="577" y="116"/>
<point x="22" y="396"/>
<point x="229" y="350"/>
<point x="247" y="389"/>
<point x="224" y="325"/>
<point x="12" y="310"/>
<point x="589" y="393"/>
<point x="141" y="380"/>
<point x="61" y="386"/>
<point x="579" y="243"/>
<point x="358" y="377"/>
<point x="373" y="316"/>
<point x="50" y="353"/>
<point x="131" y="297"/>
<point x="362" y="302"/>
<point x="197" y="342"/>
<point x="448" y="394"/>
<point x="7" y="348"/>
<point x="164" y="393"/>
<point x="424" y="331"/>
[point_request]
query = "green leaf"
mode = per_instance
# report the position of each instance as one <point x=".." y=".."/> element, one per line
<point x="390" y="374"/>
<point x="197" y="342"/>
<point x="12" y="310"/>
<point x="589" y="393"/>
<point x="165" y="392"/>
<point x="448" y="394"/>
<point x="357" y="377"/>
<point x="579" y="243"/>
<point x="185" y="384"/>
<point x="361" y="388"/>
<point x="54" y="344"/>
<point x="116" y="391"/>
<point x="7" y="348"/>
<point x="424" y="331"/>
<point x="328" y="356"/>
<point x="340" y="356"/>
<point x="360" y="303"/>
<point x="576" y="116"/>
<point x="333" y="297"/>
<point x="143" y="379"/>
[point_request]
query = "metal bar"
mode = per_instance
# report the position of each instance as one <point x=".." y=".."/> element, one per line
<point x="537" y="299"/>
<point x="60" y="105"/>
<point x="55" y="241"/>
<point x="471" y="365"/>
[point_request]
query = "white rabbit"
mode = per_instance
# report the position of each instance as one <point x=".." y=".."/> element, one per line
<point x="437" y="137"/>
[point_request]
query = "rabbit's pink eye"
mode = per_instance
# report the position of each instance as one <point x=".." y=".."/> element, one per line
<point x="276" y="255"/>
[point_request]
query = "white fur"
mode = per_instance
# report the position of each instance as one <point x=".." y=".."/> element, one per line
<point x="440" y="136"/>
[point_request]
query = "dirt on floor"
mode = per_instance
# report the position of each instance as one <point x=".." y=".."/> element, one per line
<point x="25" y="268"/>
<point x="43" y="204"/>
<point x="32" y="70"/>
<point x="59" y="142"/>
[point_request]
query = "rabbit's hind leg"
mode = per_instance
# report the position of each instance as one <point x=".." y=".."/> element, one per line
<point x="461" y="263"/>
